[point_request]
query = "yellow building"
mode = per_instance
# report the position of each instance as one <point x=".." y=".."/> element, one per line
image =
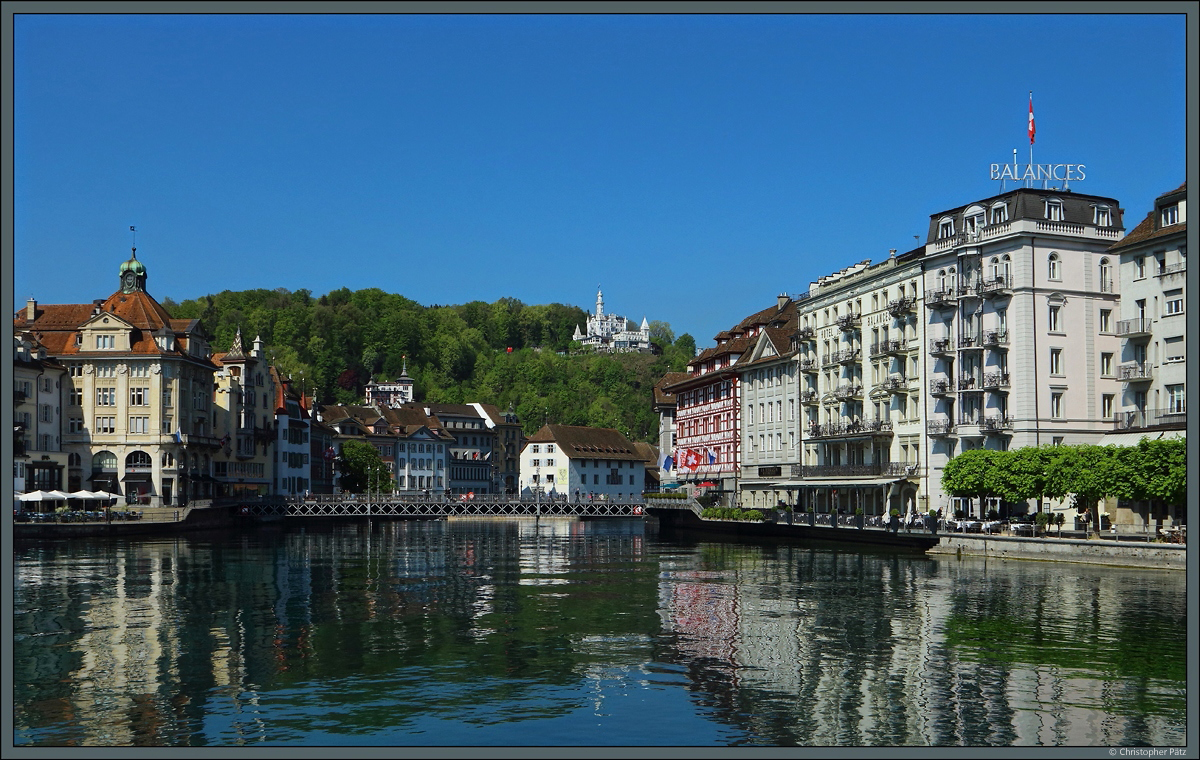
<point x="244" y="420"/>
<point x="138" y="396"/>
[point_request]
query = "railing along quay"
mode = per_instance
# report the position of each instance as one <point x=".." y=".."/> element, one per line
<point x="386" y="505"/>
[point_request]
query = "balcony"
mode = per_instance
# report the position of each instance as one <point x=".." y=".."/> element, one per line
<point x="939" y="428"/>
<point x="805" y="333"/>
<point x="872" y="470"/>
<point x="810" y="364"/>
<point x="1106" y="286"/>
<point x="830" y="360"/>
<point x="941" y="299"/>
<point x="941" y="387"/>
<point x="809" y="396"/>
<point x="1150" y="418"/>
<point x="997" y="425"/>
<point x="847" y="355"/>
<point x="995" y="338"/>
<point x="889" y="347"/>
<point x="851" y="428"/>
<point x="970" y="426"/>
<point x="847" y="391"/>
<point x="1135" y="372"/>
<point x="901" y="306"/>
<point x="995" y="380"/>
<point x="1171" y="269"/>
<point x="970" y="341"/>
<point x="1134" y="328"/>
<point x="969" y="383"/>
<point x="941" y="346"/>
<point x="848" y="322"/>
<point x="896" y="384"/>
<point x="999" y="285"/>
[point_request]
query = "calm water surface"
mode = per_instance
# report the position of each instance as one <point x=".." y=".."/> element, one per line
<point x="589" y="633"/>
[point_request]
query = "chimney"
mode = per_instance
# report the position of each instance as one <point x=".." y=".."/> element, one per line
<point x="783" y="299"/>
<point x="30" y="310"/>
<point x="96" y="306"/>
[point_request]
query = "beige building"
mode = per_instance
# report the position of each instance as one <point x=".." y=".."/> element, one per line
<point x="39" y="461"/>
<point x="244" y="420"/>
<point x="138" y="396"/>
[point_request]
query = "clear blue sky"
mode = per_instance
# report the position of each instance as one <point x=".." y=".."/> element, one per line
<point x="694" y="166"/>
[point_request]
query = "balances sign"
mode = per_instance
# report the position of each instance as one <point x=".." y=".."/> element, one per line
<point x="1039" y="172"/>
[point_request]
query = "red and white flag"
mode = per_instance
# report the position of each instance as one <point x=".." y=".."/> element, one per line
<point x="691" y="459"/>
<point x="1031" y="127"/>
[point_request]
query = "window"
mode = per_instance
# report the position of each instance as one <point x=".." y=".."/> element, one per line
<point x="139" y="424"/>
<point x="106" y="397"/>
<point x="45" y="413"/>
<point x="168" y="425"/>
<point x="141" y="369"/>
<point x="1174" y="306"/>
<point x="1056" y="441"/>
<point x="549" y="448"/>
<point x="1056" y="361"/>
<point x="1053" y="270"/>
<point x="75" y="370"/>
<point x="76" y="397"/>
<point x="105" y="341"/>
<point x="1139" y="267"/>
<point x="945" y="228"/>
<point x="1170" y="215"/>
<point x="549" y="462"/>
<point x="1052" y="320"/>
<point x="1054" y="210"/>
<point x="139" y="396"/>
<point x="1175" y="400"/>
<point x="536" y="449"/>
<point x="1106" y="406"/>
<point x="1101" y="217"/>
<point x="1106" y="320"/>
<point x="106" y="425"/>
<point x="999" y="213"/>
<point x="536" y="463"/>
<point x="75" y="425"/>
<point x="1106" y="364"/>
<point x="1056" y="405"/>
<point x="1173" y="350"/>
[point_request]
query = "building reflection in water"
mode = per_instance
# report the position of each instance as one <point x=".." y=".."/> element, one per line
<point x="319" y="633"/>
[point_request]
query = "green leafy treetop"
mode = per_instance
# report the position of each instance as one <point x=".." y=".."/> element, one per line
<point x="362" y="468"/>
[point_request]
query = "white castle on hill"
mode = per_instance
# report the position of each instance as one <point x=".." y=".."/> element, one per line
<point x="613" y="334"/>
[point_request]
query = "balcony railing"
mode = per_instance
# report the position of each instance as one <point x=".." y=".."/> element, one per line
<point x="1136" y="373"/>
<point x="849" y="321"/>
<point x="1134" y="328"/>
<point x="853" y="427"/>
<point x="872" y="470"/>
<point x="1171" y="269"/>
<point x="940" y="387"/>
<point x="995" y="338"/>
<point x="940" y="345"/>
<point x="809" y="396"/>
<point x="896" y="384"/>
<point x="847" y="355"/>
<point x="995" y="380"/>
<point x="829" y="360"/>
<point x="970" y="341"/>
<point x="901" y="306"/>
<point x="847" y="391"/>
<point x="939" y="427"/>
<point x="805" y="333"/>
<point x="889" y="347"/>
<point x="969" y="383"/>
<point x="1106" y="286"/>
<point x="996" y="424"/>
<point x="937" y="299"/>
<point x="1149" y="418"/>
<point x="994" y="286"/>
<point x="809" y="364"/>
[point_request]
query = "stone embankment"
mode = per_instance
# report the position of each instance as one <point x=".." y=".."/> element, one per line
<point x="1088" y="551"/>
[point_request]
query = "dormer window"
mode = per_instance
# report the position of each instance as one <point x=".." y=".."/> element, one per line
<point x="1102" y="216"/>
<point x="1170" y="215"/>
<point x="1054" y="210"/>
<point x="999" y="213"/>
<point x="973" y="220"/>
<point x="946" y="228"/>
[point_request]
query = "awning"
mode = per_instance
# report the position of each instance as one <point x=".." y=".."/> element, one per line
<point x="843" y="483"/>
<point x="136" y="477"/>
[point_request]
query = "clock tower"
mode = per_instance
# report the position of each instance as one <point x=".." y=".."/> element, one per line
<point x="133" y="275"/>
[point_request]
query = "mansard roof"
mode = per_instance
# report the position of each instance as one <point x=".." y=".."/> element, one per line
<point x="1029" y="203"/>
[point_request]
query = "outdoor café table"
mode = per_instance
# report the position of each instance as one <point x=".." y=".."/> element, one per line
<point x="990" y="526"/>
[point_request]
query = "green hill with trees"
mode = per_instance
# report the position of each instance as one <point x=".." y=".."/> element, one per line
<point x="332" y="345"/>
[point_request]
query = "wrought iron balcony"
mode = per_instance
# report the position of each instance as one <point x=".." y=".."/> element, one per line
<point x="885" y="347"/>
<point x="847" y="355"/>
<point x="809" y="396"/>
<point x="1134" y="328"/>
<point x="830" y="360"/>
<point x="970" y="426"/>
<point x="901" y="306"/>
<point x="847" y="391"/>
<point x="1136" y="373"/>
<point x="998" y="285"/>
<point x="850" y="428"/>
<point x="809" y="364"/>
<point x="1150" y="418"/>
<point x="941" y="387"/>
<point x="1178" y="268"/>
<point x="849" y="322"/>
<point x="938" y="428"/>
<point x="871" y="470"/>
<point x="805" y="333"/>
<point x="940" y="346"/>
<point x="969" y="383"/>
<point x="967" y="290"/>
<point x="970" y="341"/>
<point x="995" y="380"/>
<point x="997" y="424"/>
<point x="1106" y="286"/>
<point x="896" y="384"/>
<point x="941" y="299"/>
<point x="995" y="338"/>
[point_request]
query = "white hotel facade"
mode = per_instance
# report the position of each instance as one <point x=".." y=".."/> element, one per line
<point x="1006" y="329"/>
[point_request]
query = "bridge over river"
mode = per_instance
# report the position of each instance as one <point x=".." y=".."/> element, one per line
<point x="388" y="505"/>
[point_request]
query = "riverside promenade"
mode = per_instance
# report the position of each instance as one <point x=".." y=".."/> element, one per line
<point x="1090" y="551"/>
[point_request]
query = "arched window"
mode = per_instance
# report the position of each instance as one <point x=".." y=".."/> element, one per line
<point x="999" y="213"/>
<point x="941" y="275"/>
<point x="1007" y="266"/>
<point x="1054" y="209"/>
<point x="74" y="460"/>
<point x="973" y="220"/>
<point x="945" y="227"/>
<point x="104" y="460"/>
<point x="1053" y="270"/>
<point x="138" y="459"/>
<point x="994" y="268"/>
<point x="1105" y="276"/>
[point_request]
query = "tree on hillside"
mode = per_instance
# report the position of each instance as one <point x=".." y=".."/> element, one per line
<point x="362" y="468"/>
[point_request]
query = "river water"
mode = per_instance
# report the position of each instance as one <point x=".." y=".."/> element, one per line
<point x="560" y="632"/>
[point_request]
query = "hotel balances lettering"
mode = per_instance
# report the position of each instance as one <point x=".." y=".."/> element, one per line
<point x="1039" y="172"/>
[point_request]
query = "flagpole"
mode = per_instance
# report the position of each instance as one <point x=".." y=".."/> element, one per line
<point x="1031" y="131"/>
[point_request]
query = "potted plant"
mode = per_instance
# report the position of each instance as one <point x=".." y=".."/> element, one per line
<point x="1042" y="520"/>
<point x="858" y="517"/>
<point x="931" y="521"/>
<point x="895" y="521"/>
<point x="1059" y="519"/>
<point x="812" y="515"/>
